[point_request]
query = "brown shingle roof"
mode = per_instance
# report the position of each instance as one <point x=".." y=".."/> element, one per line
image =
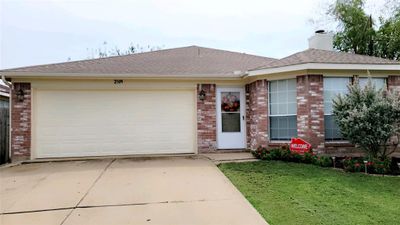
<point x="185" y="61"/>
<point x="325" y="56"/>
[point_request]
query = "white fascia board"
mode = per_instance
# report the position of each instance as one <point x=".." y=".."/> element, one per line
<point x="324" y="66"/>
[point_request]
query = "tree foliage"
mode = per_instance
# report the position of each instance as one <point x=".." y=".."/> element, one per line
<point x="103" y="51"/>
<point x="369" y="118"/>
<point x="359" y="33"/>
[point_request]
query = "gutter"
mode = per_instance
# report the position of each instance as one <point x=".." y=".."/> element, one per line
<point x="324" y="66"/>
<point x="3" y="78"/>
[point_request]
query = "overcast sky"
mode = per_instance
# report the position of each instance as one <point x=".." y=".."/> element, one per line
<point x="47" y="31"/>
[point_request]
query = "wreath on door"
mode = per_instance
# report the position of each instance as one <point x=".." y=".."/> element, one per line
<point x="230" y="102"/>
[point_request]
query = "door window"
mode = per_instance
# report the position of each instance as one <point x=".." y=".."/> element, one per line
<point x="230" y="111"/>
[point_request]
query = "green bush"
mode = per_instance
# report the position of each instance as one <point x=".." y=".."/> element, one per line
<point x="296" y="157"/>
<point x="373" y="166"/>
<point x="349" y="164"/>
<point x="261" y="153"/>
<point x="308" y="157"/>
<point x="276" y="154"/>
<point x="353" y="165"/>
<point x="379" y="166"/>
<point x="286" y="154"/>
<point x="325" y="161"/>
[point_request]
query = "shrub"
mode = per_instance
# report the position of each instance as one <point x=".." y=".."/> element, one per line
<point x="260" y="152"/>
<point x="296" y="157"/>
<point x="348" y="164"/>
<point x="325" y="161"/>
<point x="276" y="154"/>
<point x="379" y="166"/>
<point x="353" y="165"/>
<point x="286" y="154"/>
<point x="373" y="166"/>
<point x="369" y="118"/>
<point x="308" y="157"/>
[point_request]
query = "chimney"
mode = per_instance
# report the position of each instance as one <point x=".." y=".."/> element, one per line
<point x="321" y="40"/>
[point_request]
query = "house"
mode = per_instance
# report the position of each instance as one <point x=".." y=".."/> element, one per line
<point x="186" y="100"/>
<point x="4" y="122"/>
<point x="4" y="95"/>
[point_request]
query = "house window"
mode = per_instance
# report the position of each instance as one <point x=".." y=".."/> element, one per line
<point x="282" y="109"/>
<point x="333" y="87"/>
<point x="378" y="82"/>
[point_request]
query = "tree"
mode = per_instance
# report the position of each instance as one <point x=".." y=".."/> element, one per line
<point x="369" y="118"/>
<point x="388" y="38"/>
<point x="103" y="52"/>
<point x="359" y="33"/>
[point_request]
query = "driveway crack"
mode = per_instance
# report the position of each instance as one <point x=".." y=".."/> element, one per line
<point x="89" y="189"/>
<point x="116" y="205"/>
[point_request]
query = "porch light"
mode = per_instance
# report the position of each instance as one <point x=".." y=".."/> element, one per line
<point x="20" y="95"/>
<point x="202" y="95"/>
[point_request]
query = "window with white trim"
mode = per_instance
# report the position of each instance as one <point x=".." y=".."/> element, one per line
<point x="332" y="87"/>
<point x="282" y="109"/>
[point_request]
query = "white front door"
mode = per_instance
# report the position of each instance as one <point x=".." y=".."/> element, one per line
<point x="231" y="118"/>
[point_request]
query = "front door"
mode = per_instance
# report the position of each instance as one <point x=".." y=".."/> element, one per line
<point x="231" y="118"/>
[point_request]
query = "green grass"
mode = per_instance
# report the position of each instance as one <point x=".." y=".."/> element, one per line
<point x="293" y="193"/>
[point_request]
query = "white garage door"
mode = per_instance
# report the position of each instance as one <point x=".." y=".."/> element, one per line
<point x="94" y="123"/>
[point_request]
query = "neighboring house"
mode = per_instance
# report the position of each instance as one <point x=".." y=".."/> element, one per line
<point x="4" y="95"/>
<point x="4" y="122"/>
<point x="185" y="100"/>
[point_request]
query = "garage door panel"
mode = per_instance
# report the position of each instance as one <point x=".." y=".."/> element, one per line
<point x="80" y="123"/>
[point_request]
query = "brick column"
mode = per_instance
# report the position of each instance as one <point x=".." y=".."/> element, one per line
<point x="310" y="110"/>
<point x="206" y="119"/>
<point x="257" y="114"/>
<point x="394" y="83"/>
<point x="21" y="122"/>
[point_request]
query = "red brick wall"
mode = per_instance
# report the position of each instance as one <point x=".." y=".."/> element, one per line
<point x="206" y="119"/>
<point x="257" y="114"/>
<point x="310" y="110"/>
<point x="21" y="123"/>
<point x="394" y="83"/>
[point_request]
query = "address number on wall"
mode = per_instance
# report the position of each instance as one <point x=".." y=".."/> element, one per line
<point x="118" y="81"/>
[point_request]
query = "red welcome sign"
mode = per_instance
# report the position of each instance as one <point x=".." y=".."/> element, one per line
<point x="299" y="145"/>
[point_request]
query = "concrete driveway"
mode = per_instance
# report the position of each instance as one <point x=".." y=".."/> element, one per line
<point x="171" y="190"/>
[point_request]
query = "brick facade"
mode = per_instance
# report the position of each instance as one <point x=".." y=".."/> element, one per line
<point x="310" y="110"/>
<point x="21" y="122"/>
<point x="310" y="117"/>
<point x="206" y="119"/>
<point x="394" y="83"/>
<point x="257" y="114"/>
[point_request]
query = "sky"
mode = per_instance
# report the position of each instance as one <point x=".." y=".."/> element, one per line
<point x="36" y="32"/>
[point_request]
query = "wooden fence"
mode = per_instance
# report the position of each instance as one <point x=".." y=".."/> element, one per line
<point x="4" y="135"/>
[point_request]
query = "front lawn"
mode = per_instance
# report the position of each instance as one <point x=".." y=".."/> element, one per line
<point x="294" y="193"/>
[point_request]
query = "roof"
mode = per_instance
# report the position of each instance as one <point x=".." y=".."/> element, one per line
<point x="328" y="57"/>
<point x="184" y="61"/>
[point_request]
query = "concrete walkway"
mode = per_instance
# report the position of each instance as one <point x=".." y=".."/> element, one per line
<point x="169" y="190"/>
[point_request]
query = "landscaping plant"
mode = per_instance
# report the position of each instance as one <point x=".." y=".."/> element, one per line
<point x="370" y="119"/>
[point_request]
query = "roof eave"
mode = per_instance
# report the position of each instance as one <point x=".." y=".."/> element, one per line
<point x="13" y="74"/>
<point x="324" y="66"/>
